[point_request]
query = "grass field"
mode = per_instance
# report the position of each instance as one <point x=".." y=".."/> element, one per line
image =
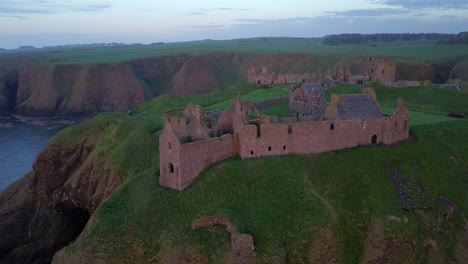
<point x="256" y="95"/>
<point x="154" y="109"/>
<point x="284" y="202"/>
<point x="420" y="99"/>
<point x="426" y="105"/>
<point x="402" y="51"/>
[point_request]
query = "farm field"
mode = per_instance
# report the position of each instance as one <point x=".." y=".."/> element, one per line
<point x="405" y="51"/>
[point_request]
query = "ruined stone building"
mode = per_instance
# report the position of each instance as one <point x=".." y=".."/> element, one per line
<point x="381" y="70"/>
<point x="307" y="102"/>
<point x="371" y="69"/>
<point x="192" y="142"/>
<point x="269" y="77"/>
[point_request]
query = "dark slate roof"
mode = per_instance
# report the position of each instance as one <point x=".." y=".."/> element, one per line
<point x="358" y="107"/>
<point x="313" y="89"/>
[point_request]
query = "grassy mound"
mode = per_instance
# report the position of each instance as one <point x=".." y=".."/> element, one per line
<point x="285" y="201"/>
<point x="294" y="206"/>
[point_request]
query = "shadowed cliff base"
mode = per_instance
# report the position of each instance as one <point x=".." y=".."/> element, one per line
<point x="8" y="91"/>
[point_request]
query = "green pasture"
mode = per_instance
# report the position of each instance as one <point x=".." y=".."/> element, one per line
<point x="311" y="46"/>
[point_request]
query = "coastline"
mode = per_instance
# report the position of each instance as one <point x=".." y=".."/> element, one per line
<point x="8" y="121"/>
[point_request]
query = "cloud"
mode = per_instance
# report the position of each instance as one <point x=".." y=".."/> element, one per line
<point x="206" y="26"/>
<point x="207" y="11"/>
<point x="377" y="12"/>
<point x="48" y="7"/>
<point x="424" y="4"/>
<point x="92" y="8"/>
<point x="225" y="9"/>
<point x="13" y="16"/>
<point x="195" y="13"/>
<point x="19" y="10"/>
<point x="300" y="20"/>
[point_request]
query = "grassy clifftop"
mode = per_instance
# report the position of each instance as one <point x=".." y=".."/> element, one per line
<point x="310" y="46"/>
<point x="287" y="202"/>
<point x="86" y="82"/>
<point x="338" y="207"/>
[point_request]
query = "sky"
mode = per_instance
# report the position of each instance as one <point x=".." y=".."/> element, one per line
<point x="56" y="22"/>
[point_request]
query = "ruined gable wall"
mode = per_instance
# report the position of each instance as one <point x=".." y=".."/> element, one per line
<point x="180" y="125"/>
<point x="197" y="156"/>
<point x="397" y="127"/>
<point x="169" y="158"/>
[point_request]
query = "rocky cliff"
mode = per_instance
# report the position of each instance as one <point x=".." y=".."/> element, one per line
<point x="57" y="90"/>
<point x="49" y="207"/>
<point x="8" y="89"/>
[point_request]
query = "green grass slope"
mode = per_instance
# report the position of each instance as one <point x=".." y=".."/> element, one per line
<point x="299" y="209"/>
<point x="285" y="201"/>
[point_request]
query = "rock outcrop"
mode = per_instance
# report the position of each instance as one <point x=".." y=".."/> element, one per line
<point x="48" y="208"/>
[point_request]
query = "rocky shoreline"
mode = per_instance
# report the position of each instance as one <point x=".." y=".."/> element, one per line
<point x="8" y="121"/>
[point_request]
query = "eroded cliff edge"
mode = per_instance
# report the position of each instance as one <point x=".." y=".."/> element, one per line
<point x="48" y="208"/>
<point x="59" y="90"/>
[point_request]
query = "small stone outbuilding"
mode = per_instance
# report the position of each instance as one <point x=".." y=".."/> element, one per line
<point x="307" y="103"/>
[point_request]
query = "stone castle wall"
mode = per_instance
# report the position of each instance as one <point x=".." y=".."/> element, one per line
<point x="181" y="163"/>
<point x="316" y="137"/>
<point x="382" y="70"/>
<point x="372" y="69"/>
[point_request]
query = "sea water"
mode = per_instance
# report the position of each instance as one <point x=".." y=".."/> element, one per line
<point x="19" y="148"/>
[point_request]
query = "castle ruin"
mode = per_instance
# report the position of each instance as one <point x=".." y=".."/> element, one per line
<point x="192" y="142"/>
<point x="307" y="102"/>
<point x="371" y="69"/>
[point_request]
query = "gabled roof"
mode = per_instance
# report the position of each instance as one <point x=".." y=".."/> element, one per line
<point x="357" y="106"/>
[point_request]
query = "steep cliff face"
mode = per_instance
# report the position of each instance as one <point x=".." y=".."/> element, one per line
<point x="87" y="89"/>
<point x="82" y="89"/>
<point x="414" y="72"/>
<point x="49" y="207"/>
<point x="78" y="90"/>
<point x="8" y="90"/>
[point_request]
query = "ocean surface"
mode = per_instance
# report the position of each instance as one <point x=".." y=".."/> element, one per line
<point x="19" y="147"/>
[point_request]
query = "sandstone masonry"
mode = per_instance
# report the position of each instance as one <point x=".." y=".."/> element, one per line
<point x="371" y="69"/>
<point x="192" y="142"/>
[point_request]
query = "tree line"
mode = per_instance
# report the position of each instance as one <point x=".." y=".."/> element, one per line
<point x="342" y="39"/>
